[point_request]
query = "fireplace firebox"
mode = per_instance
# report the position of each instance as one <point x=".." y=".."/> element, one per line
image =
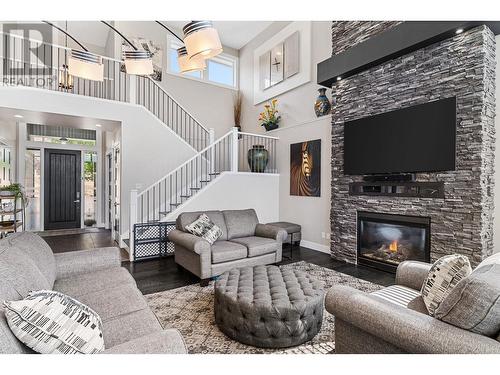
<point x="385" y="240"/>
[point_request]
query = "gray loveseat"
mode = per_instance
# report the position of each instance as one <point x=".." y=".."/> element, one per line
<point x="395" y="319"/>
<point x="244" y="242"/>
<point x="94" y="277"/>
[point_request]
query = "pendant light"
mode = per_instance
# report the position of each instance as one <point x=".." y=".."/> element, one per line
<point x="137" y="62"/>
<point x="65" y="79"/>
<point x="83" y="64"/>
<point x="86" y="65"/>
<point x="186" y="65"/>
<point x="201" y="40"/>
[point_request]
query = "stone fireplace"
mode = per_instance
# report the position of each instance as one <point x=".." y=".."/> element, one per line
<point x="461" y="220"/>
<point x="385" y="240"/>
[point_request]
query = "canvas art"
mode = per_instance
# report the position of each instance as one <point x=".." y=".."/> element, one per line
<point x="153" y="48"/>
<point x="305" y="168"/>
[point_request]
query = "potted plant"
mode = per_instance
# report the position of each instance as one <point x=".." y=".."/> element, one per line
<point x="15" y="190"/>
<point x="270" y="118"/>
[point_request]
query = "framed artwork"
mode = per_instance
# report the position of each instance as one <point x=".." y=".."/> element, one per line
<point x="305" y="168"/>
<point x="277" y="64"/>
<point x="283" y="62"/>
<point x="153" y="48"/>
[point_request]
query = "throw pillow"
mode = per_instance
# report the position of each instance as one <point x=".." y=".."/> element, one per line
<point x="474" y="304"/>
<point x="53" y="323"/>
<point x="204" y="228"/>
<point x="443" y="276"/>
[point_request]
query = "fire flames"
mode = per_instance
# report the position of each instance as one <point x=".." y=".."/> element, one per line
<point x="393" y="246"/>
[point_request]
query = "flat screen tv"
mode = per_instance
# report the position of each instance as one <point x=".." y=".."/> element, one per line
<point x="420" y="138"/>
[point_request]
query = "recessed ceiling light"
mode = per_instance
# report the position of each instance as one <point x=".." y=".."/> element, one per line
<point x="98" y="125"/>
<point x="339" y="78"/>
<point x="459" y="31"/>
<point x="18" y="116"/>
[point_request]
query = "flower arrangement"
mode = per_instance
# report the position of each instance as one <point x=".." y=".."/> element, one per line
<point x="270" y="118"/>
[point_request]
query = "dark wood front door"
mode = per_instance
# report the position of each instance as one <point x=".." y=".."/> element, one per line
<point x="62" y="187"/>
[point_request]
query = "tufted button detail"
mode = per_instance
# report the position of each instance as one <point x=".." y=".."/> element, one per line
<point x="267" y="306"/>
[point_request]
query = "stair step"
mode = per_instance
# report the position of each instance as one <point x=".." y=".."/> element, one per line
<point x="195" y="188"/>
<point x="175" y="204"/>
<point x="164" y="213"/>
<point x="152" y="221"/>
<point x="185" y="196"/>
<point x="205" y="180"/>
<point x="214" y="174"/>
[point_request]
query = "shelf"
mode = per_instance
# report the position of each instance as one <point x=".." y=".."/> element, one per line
<point x="11" y="228"/>
<point x="398" y="189"/>
<point x="7" y="197"/>
<point x="8" y="213"/>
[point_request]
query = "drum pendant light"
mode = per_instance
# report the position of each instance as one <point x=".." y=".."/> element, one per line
<point x="186" y="64"/>
<point x="201" y="40"/>
<point x="86" y="65"/>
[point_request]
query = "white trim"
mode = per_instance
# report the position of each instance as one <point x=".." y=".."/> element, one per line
<point x="315" y="246"/>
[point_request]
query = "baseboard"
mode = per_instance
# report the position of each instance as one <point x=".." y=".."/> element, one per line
<point x="315" y="246"/>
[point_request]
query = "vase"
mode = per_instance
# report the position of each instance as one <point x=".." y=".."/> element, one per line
<point x="258" y="157"/>
<point x="271" y="126"/>
<point x="322" y="106"/>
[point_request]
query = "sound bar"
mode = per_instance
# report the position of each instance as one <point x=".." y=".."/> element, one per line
<point x="403" y="177"/>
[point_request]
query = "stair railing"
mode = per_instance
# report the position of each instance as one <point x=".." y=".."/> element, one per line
<point x="230" y="153"/>
<point x="33" y="63"/>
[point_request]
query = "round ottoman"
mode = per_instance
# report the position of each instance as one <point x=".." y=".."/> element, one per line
<point x="268" y="307"/>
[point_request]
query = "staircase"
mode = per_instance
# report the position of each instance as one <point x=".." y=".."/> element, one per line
<point x="33" y="63"/>
<point x="36" y="64"/>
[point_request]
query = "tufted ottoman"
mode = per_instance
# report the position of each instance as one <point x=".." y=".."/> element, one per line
<point x="268" y="307"/>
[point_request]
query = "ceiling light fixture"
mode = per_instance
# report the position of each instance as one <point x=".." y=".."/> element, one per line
<point x="83" y="64"/>
<point x="459" y="31"/>
<point x="201" y="39"/>
<point x="339" y="78"/>
<point x="186" y="64"/>
<point x="18" y="116"/>
<point x="137" y="62"/>
<point x="98" y="125"/>
<point x="65" y="79"/>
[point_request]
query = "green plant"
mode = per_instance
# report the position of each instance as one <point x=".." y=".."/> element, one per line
<point x="89" y="222"/>
<point x="17" y="190"/>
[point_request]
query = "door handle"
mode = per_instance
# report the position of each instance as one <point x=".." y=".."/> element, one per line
<point x="77" y="201"/>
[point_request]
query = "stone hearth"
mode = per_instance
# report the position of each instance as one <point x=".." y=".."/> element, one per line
<point x="462" y="66"/>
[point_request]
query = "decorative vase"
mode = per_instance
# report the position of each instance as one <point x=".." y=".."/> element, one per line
<point x="270" y="126"/>
<point x="322" y="106"/>
<point x="258" y="157"/>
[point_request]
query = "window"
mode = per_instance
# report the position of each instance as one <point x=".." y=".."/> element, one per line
<point x="60" y="135"/>
<point x="221" y="70"/>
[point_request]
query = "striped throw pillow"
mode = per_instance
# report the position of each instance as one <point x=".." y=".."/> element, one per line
<point x="443" y="276"/>
<point x="203" y="227"/>
<point x="53" y="323"/>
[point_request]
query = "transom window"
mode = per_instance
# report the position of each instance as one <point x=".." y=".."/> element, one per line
<point x="221" y="70"/>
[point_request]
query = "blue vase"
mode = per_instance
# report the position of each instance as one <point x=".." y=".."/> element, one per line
<point x="322" y="106"/>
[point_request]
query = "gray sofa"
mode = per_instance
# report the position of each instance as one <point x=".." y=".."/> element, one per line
<point x="244" y="242"/>
<point x="94" y="277"/>
<point x="395" y="320"/>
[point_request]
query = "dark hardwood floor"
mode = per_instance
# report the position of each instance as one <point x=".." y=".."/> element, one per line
<point x="157" y="275"/>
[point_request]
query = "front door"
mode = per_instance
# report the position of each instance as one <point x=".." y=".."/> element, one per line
<point x="62" y="189"/>
<point x="116" y="194"/>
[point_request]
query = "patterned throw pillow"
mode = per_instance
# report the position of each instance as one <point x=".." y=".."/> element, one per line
<point x="204" y="228"/>
<point x="53" y="323"/>
<point x="443" y="276"/>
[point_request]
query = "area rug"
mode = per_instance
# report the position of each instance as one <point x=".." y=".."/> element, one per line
<point x="190" y="310"/>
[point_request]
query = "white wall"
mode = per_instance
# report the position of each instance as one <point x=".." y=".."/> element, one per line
<point x="298" y="124"/>
<point x="149" y="149"/>
<point x="237" y="191"/>
<point x="496" y="225"/>
<point x="211" y="105"/>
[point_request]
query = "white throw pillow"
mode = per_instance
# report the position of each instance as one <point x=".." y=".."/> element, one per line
<point x="50" y="322"/>
<point x="204" y="228"/>
<point x="443" y="276"/>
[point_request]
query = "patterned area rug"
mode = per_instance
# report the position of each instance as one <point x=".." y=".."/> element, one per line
<point x="190" y="310"/>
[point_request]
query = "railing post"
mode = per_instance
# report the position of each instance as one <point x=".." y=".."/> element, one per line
<point x="211" y="141"/>
<point x="133" y="220"/>
<point x="132" y="84"/>
<point x="234" y="150"/>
